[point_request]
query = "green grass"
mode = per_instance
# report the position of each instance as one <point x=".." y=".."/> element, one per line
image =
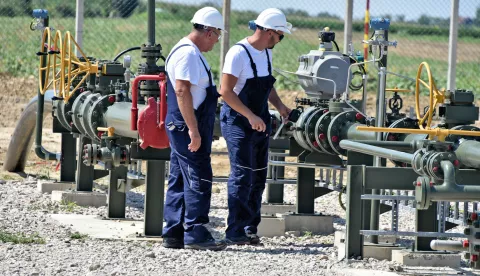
<point x="105" y="37"/>
<point x="20" y="238"/>
<point x="78" y="236"/>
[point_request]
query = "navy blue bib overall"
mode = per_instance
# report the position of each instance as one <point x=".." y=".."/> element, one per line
<point x="190" y="181"/>
<point x="248" y="152"/>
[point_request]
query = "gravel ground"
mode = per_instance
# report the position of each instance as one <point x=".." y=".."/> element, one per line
<point x="59" y="252"/>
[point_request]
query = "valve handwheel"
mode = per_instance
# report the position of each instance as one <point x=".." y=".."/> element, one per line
<point x="435" y="97"/>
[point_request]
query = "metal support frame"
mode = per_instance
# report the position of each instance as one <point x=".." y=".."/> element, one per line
<point x="85" y="174"/>
<point x="154" y="193"/>
<point x="116" y="198"/>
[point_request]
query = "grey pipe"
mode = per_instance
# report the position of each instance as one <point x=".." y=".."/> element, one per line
<point x="468" y="152"/>
<point x="393" y="145"/>
<point x="118" y="117"/>
<point x="377" y="151"/>
<point x="447" y="245"/>
<point x="450" y="190"/>
<point x="151" y="22"/>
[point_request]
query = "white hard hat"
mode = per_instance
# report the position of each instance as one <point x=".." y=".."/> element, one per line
<point x="273" y="19"/>
<point x="209" y="17"/>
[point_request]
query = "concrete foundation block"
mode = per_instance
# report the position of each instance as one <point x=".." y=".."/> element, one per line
<point x="308" y="222"/>
<point x="380" y="251"/>
<point x="388" y="239"/>
<point x="272" y="209"/>
<point x="49" y="186"/>
<point x="271" y="226"/>
<point x="339" y="239"/>
<point x="93" y="199"/>
<point x="425" y="258"/>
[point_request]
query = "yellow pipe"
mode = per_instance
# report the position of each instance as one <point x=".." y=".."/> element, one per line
<point x="109" y="130"/>
<point x="436" y="132"/>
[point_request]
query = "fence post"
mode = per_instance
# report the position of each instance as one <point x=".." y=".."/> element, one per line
<point x="452" y="46"/>
<point x="347" y="36"/>
<point x="225" y="45"/>
<point x="79" y="26"/>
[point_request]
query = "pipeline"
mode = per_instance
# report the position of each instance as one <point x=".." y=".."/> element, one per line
<point x="447" y="245"/>
<point x="21" y="141"/>
<point x="449" y="190"/>
<point x="377" y="151"/>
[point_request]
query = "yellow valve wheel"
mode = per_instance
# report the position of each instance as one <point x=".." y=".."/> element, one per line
<point x="398" y="90"/>
<point x="44" y="68"/>
<point x="59" y="76"/>
<point x="83" y="69"/>
<point x="435" y="96"/>
<point x="440" y="133"/>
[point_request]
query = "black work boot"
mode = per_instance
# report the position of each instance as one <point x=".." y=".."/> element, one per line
<point x="172" y="243"/>
<point x="210" y="244"/>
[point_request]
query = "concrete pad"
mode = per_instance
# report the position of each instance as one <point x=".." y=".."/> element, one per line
<point x="49" y="186"/>
<point x="272" y="209"/>
<point x="380" y="251"/>
<point x="93" y="199"/>
<point x="388" y="239"/>
<point x="99" y="228"/>
<point x="271" y="226"/>
<point x="364" y="272"/>
<point x="308" y="222"/>
<point x="435" y="259"/>
<point x="339" y="239"/>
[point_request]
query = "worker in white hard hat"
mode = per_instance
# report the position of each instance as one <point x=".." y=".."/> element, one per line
<point x="192" y="102"/>
<point x="246" y="88"/>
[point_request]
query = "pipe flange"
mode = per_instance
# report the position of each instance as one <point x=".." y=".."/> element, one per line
<point x="455" y="139"/>
<point x="87" y="155"/>
<point x="85" y="109"/>
<point x="422" y="186"/>
<point x="417" y="163"/>
<point x="299" y="133"/>
<point x="310" y="130"/>
<point x="390" y="136"/>
<point x="76" y="114"/>
<point x="337" y="125"/>
<point x="321" y="129"/>
<point x="402" y="123"/>
<point x="95" y="116"/>
<point x="433" y="167"/>
<point x="63" y="111"/>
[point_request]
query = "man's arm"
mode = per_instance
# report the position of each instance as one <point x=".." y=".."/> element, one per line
<point x="185" y="104"/>
<point x="229" y="96"/>
<point x="274" y="99"/>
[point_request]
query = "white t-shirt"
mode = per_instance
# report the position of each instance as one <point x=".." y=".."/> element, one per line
<point x="185" y="64"/>
<point x="237" y="63"/>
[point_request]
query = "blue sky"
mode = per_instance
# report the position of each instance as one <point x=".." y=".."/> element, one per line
<point x="412" y="9"/>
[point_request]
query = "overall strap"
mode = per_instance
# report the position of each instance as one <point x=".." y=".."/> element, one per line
<point x="208" y="71"/>
<point x="252" y="64"/>
<point x="268" y="61"/>
<point x="173" y="52"/>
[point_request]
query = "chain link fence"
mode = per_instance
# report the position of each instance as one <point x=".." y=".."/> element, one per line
<point x="420" y="27"/>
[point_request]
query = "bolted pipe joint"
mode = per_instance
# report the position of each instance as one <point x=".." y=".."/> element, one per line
<point x="427" y="191"/>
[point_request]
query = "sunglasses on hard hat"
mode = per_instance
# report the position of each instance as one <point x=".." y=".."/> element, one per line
<point x="280" y="36"/>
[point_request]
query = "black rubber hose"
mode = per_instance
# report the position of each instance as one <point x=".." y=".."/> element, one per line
<point x="126" y="51"/>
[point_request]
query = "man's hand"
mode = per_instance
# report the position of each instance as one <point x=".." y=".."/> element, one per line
<point x="284" y="111"/>
<point x="196" y="140"/>
<point x="257" y="123"/>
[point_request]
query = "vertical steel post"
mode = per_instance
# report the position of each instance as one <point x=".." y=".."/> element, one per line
<point x="347" y="37"/>
<point x="154" y="194"/>
<point x="84" y="179"/>
<point x="117" y="199"/>
<point x="274" y="191"/>
<point x="68" y="157"/>
<point x="452" y="46"/>
<point x="305" y="189"/>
